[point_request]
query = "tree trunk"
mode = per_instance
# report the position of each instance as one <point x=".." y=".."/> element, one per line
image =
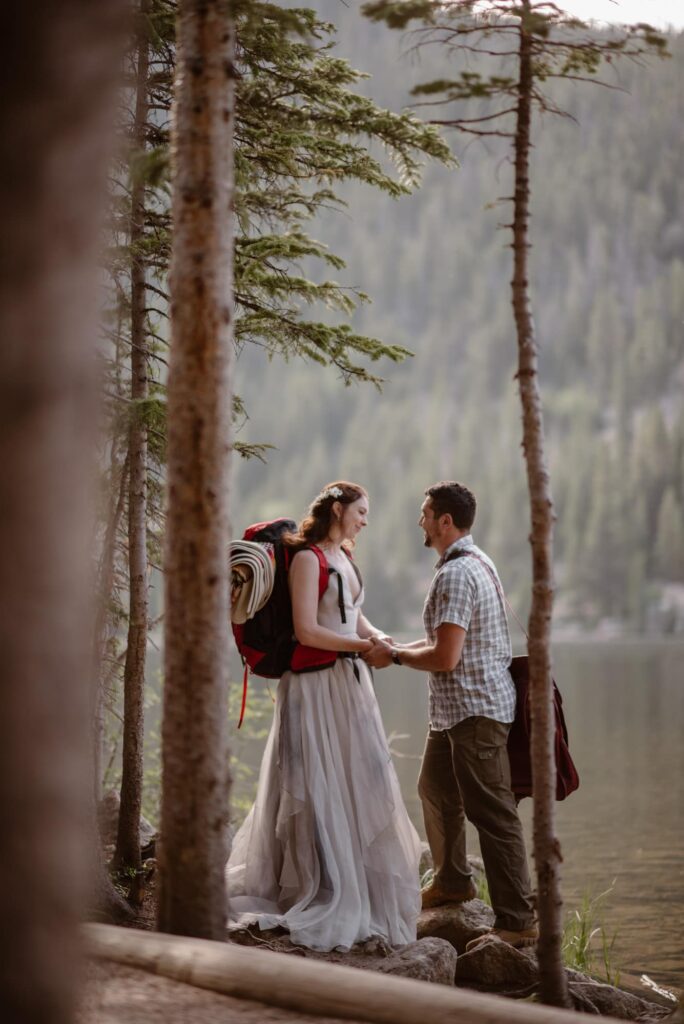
<point x="103" y="625"/>
<point x="106" y="904"/>
<point x="128" y="838"/>
<point x="194" y="732"/>
<point x="547" y="853"/>
<point x="58" y="74"/>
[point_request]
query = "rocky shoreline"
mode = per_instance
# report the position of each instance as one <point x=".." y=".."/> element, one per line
<point x="439" y="955"/>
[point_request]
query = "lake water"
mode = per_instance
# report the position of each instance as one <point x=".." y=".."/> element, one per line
<point x="624" y="827"/>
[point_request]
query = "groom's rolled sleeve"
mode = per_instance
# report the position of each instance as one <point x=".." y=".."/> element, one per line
<point x="454" y="598"/>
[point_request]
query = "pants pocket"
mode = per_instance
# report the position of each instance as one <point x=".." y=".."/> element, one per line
<point x="490" y="751"/>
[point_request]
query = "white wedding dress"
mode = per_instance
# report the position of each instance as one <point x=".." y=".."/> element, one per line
<point x="327" y="850"/>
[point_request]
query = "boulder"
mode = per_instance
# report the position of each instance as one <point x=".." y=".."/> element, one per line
<point x="426" y="960"/>
<point x="457" y="923"/>
<point x="591" y="996"/>
<point x="430" y="959"/>
<point x="495" y="965"/>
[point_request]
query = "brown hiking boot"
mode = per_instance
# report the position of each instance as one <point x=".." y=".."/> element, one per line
<point x="518" y="939"/>
<point x="435" y="895"/>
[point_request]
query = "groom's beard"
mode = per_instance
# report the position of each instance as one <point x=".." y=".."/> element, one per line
<point x="427" y="541"/>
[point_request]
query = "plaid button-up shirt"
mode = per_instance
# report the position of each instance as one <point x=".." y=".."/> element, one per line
<point x="463" y="592"/>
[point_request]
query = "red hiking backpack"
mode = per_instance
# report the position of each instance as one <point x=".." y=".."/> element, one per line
<point x="266" y="642"/>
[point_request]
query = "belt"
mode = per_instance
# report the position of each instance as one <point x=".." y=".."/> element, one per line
<point x="352" y="656"/>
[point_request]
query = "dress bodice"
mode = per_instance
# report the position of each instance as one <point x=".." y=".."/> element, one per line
<point x="329" y="614"/>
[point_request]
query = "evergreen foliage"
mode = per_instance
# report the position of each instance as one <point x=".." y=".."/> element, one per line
<point x="299" y="135"/>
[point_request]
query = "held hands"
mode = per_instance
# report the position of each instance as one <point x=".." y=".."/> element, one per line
<point x="379" y="655"/>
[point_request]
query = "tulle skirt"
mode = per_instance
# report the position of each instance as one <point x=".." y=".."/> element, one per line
<point x="327" y="851"/>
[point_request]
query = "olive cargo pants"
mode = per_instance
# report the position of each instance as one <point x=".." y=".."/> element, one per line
<point x="465" y="774"/>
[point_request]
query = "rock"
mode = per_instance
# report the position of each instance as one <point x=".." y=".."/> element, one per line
<point x="497" y="965"/>
<point x="108" y="819"/>
<point x="426" y="960"/>
<point x="430" y="959"/>
<point x="593" y="996"/>
<point x="457" y="923"/>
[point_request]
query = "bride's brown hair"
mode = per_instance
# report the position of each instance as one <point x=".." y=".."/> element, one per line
<point x="316" y="524"/>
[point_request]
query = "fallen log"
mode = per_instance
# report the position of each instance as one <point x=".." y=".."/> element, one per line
<point x="309" y="986"/>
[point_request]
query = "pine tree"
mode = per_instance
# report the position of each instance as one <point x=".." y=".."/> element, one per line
<point x="195" y="784"/>
<point x="541" y="43"/>
<point x="605" y="340"/>
<point x="135" y="361"/>
<point x="651" y="459"/>
<point x="669" y="546"/>
<point x="127" y="853"/>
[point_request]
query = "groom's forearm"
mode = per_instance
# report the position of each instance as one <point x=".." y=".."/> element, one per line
<point x="441" y="656"/>
<point x="424" y="657"/>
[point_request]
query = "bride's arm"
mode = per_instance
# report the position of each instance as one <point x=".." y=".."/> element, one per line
<point x="303" y="581"/>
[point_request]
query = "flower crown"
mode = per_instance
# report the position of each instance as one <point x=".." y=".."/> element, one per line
<point x="329" y="492"/>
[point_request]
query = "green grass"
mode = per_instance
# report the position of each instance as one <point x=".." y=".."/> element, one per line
<point x="587" y="945"/>
<point x="483" y="888"/>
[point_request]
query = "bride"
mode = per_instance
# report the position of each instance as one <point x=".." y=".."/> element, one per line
<point x="327" y="850"/>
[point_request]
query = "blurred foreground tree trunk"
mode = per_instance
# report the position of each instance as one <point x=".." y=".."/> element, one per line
<point x="195" y="780"/>
<point x="59" y="70"/>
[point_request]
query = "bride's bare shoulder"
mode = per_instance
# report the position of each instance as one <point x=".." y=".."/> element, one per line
<point x="303" y="558"/>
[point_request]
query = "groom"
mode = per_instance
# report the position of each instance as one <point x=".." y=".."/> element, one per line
<point x="465" y="771"/>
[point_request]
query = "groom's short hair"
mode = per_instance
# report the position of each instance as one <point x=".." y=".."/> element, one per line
<point x="451" y="498"/>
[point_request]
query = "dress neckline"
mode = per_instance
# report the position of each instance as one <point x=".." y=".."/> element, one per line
<point x="354" y="600"/>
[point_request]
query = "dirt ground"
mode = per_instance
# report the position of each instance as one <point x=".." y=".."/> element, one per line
<point x="114" y="994"/>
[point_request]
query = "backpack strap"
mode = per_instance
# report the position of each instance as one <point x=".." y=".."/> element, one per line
<point x="469" y="554"/>
<point x="323" y="570"/>
<point x="324" y="575"/>
<point x="323" y="567"/>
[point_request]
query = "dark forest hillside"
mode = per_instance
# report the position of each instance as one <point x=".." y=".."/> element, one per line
<point x="608" y="291"/>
